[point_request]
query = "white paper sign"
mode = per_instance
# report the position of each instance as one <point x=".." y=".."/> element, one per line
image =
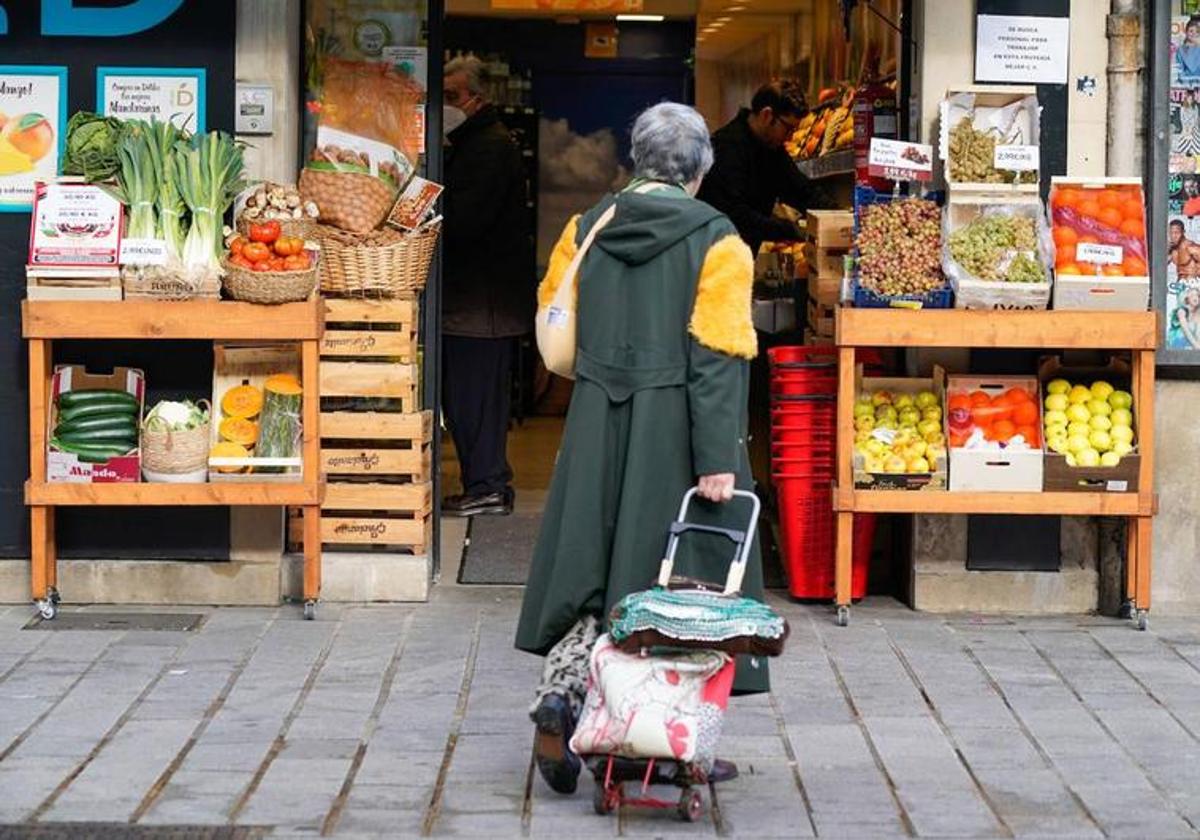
<point x="170" y="97"/>
<point x="1017" y="158"/>
<point x="143" y="252"/>
<point x="1095" y="253"/>
<point x="412" y="61"/>
<point x="900" y="161"/>
<point x="1026" y="49"/>
<point x="74" y="225"/>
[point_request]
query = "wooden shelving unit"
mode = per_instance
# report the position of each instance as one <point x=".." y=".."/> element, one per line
<point x="43" y="322"/>
<point x="1135" y="332"/>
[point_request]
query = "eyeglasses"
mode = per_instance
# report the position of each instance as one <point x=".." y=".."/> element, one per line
<point x="790" y="124"/>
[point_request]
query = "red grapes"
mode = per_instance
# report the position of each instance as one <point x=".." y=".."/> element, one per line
<point x="900" y="247"/>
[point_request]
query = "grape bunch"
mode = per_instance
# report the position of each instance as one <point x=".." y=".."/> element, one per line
<point x="999" y="248"/>
<point x="973" y="158"/>
<point x="899" y="247"/>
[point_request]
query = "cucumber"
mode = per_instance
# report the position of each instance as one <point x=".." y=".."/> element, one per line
<point x="73" y="398"/>
<point x="97" y="409"/>
<point x="95" y="453"/>
<point x="97" y="422"/>
<point x="97" y="436"/>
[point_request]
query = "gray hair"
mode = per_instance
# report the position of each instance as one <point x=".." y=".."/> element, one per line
<point x="671" y="144"/>
<point x="474" y="68"/>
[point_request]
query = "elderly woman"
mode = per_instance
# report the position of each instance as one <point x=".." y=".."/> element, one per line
<point x="664" y="337"/>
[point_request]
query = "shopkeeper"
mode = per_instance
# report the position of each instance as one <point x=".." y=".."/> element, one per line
<point x="488" y="284"/>
<point x="753" y="170"/>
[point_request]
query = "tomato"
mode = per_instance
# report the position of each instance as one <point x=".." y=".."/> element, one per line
<point x="1025" y="414"/>
<point x="1110" y="217"/>
<point x="276" y="263"/>
<point x="1133" y="227"/>
<point x="1068" y="268"/>
<point x="235" y="247"/>
<point x="256" y="252"/>
<point x="1030" y="433"/>
<point x="266" y="232"/>
<point x="295" y="263"/>
<point x="289" y="246"/>
<point x="1064" y="235"/>
<point x="1112" y="270"/>
<point x="1003" y="430"/>
<point x="240" y="261"/>
<point x="1065" y="254"/>
<point x="1134" y="267"/>
<point x="262" y="265"/>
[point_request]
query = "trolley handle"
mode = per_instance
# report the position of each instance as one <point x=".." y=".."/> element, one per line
<point x="743" y="540"/>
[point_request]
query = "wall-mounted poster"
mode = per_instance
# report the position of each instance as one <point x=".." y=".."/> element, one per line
<point x="168" y="94"/>
<point x="1184" y="115"/>
<point x="1185" y="50"/>
<point x="33" y="120"/>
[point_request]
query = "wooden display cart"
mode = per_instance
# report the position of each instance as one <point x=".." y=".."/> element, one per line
<point x="1136" y="332"/>
<point x="43" y="322"/>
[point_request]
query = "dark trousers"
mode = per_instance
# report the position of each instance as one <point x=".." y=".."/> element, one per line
<point x="476" y="382"/>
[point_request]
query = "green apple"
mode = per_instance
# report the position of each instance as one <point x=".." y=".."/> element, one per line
<point x="875" y="447"/>
<point x="1099" y="407"/>
<point x="1099" y="421"/>
<point x="1088" y="458"/>
<point x="1057" y="430"/>
<point x="1057" y="402"/>
<point x="1058" y="386"/>
<point x="1100" y="440"/>
<point x="887" y="424"/>
<point x="1084" y="429"/>
<point x="865" y="423"/>
<point x="1057" y="444"/>
<point x="1121" y="434"/>
<point x="903" y="401"/>
<point x="911" y="415"/>
<point x="1078" y="413"/>
<point x="1101" y="390"/>
<point x="927" y="399"/>
<point x="1121" y="417"/>
<point x="1079" y="394"/>
<point x="1071" y="462"/>
<point x="874" y="464"/>
<point x="1078" y="443"/>
<point x="1122" y="448"/>
<point x="863" y="408"/>
<point x="928" y="427"/>
<point x="894" y="464"/>
<point x="932" y="412"/>
<point x="1110" y="459"/>
<point x="1120" y="399"/>
<point x="935" y="452"/>
<point x="881" y="398"/>
<point x="886" y="412"/>
<point x="918" y="465"/>
<point x="1056" y="417"/>
<point x="936" y="439"/>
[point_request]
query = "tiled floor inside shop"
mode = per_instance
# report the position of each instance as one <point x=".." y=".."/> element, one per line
<point x="398" y="721"/>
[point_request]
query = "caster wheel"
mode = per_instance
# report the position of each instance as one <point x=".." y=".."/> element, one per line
<point x="601" y="800"/>
<point x="53" y="596"/>
<point x="310" y="610"/>
<point x="47" y="609"/>
<point x="1126" y="611"/>
<point x="843" y="616"/>
<point x="1143" y="620"/>
<point x="691" y="805"/>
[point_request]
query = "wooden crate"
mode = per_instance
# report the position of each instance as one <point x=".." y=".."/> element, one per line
<point x="830" y="228"/>
<point x="372" y="516"/>
<point x="43" y="285"/>
<point x="825" y="262"/>
<point x="820" y="319"/>
<point x="825" y="291"/>
<point x="370" y="351"/>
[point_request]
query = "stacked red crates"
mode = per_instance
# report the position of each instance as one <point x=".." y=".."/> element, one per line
<point x="804" y="382"/>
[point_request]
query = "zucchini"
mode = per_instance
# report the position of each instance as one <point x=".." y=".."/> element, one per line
<point x="97" y="409"/>
<point x="97" y="436"/>
<point x="96" y="422"/>
<point x="73" y="398"/>
<point x="94" y="453"/>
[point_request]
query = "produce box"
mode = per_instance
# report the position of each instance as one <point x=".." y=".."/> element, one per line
<point x="898" y="252"/>
<point x="830" y="228"/>
<point x="1060" y="476"/>
<point x="996" y="249"/>
<point x="1099" y="235"/>
<point x="250" y="367"/>
<point x="996" y="409"/>
<point x="867" y="476"/>
<point x="825" y="262"/>
<point x="80" y="467"/>
<point x="824" y="291"/>
<point x="989" y="138"/>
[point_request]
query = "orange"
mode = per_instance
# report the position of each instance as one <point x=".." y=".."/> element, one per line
<point x="1131" y="208"/>
<point x="1017" y="395"/>
<point x="1025" y="414"/>
<point x="1065" y="255"/>
<point x="1110" y="217"/>
<point x="1003" y="430"/>
<point x="1064" y="236"/>
<point x="960" y="402"/>
<point x="979" y="399"/>
<point x="1068" y="268"/>
<point x="1087" y="237"/>
<point x="1112" y="270"/>
<point x="1030" y="433"/>
<point x="1089" y="207"/>
<point x="1090" y="269"/>
<point x="1134" y="267"/>
<point x="1133" y="227"/>
<point x="1109" y="198"/>
<point x="1065" y="197"/>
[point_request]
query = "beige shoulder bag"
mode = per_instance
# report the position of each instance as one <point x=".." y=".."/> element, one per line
<point x="555" y="324"/>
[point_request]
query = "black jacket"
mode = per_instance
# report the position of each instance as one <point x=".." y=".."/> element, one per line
<point x="489" y="273"/>
<point x="748" y="177"/>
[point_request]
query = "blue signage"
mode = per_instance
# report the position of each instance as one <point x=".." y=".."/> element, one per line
<point x="63" y="17"/>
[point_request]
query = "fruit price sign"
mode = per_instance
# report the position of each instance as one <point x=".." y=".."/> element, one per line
<point x="897" y="160"/>
<point x="74" y="225"/>
<point x="33" y="117"/>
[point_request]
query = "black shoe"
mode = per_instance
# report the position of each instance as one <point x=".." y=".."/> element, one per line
<point x="555" y="761"/>
<point x="722" y="771"/>
<point x="476" y="504"/>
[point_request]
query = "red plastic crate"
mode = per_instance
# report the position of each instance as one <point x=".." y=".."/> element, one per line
<point x="807" y="533"/>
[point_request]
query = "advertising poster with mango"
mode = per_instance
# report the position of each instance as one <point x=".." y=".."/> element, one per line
<point x="31" y="104"/>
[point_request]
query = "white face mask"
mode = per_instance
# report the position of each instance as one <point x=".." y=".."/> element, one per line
<point x="452" y="118"/>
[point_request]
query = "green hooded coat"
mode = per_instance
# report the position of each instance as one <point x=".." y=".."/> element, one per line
<point x="662" y="383"/>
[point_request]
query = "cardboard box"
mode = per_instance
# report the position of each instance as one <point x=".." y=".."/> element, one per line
<point x="66" y="467"/>
<point x="962" y="208"/>
<point x="1010" y="471"/>
<point x="250" y="365"/>
<point x="933" y="481"/>
<point x="984" y="104"/>
<point x="831" y="228"/>
<point x="1060" y="477"/>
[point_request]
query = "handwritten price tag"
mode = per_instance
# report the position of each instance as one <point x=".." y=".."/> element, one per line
<point x="143" y="252"/>
<point x="1102" y="254"/>
<point x="900" y="161"/>
<point x="1017" y="158"/>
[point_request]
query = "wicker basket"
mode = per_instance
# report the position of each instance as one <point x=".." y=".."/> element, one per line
<point x="351" y="201"/>
<point x="174" y="453"/>
<point x="384" y="263"/>
<point x="269" y="286"/>
<point x="163" y="284"/>
<point x="303" y="228"/>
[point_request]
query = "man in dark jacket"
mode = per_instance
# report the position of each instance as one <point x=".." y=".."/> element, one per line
<point x="488" y="283"/>
<point x="752" y="169"/>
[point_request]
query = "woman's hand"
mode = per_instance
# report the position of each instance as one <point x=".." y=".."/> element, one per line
<point x="716" y="488"/>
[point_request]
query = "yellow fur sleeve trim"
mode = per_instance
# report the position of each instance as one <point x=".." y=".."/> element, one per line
<point x="560" y="259"/>
<point x="722" y="316"/>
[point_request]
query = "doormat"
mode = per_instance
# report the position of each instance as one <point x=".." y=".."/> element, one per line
<point x="86" y="620"/>
<point x="124" y="831"/>
<point x="499" y="549"/>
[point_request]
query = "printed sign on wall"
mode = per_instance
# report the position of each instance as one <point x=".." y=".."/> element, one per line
<point x="168" y="94"/>
<point x="33" y="120"/>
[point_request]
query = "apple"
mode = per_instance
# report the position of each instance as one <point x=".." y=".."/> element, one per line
<point x="875" y="447"/>
<point x="1078" y="413"/>
<point x="881" y="398"/>
<point x="1084" y="429"/>
<point x="1121" y="417"/>
<point x="873" y="464"/>
<point x="927" y="399"/>
<point x="1099" y="407"/>
<point x="918" y="465"/>
<point x="1058" y="386"/>
<point x="864" y="409"/>
<point x="904" y="401"/>
<point x="1055" y="417"/>
<point x="894" y="464"/>
<point x="1110" y="459"/>
<point x="887" y="424"/>
<point x="1100" y="440"/>
<point x="1079" y="394"/>
<point x="886" y="412"/>
<point x="910" y="416"/>
<point x="1071" y="462"/>
<point x="928" y="427"/>
<point x="1099" y="421"/>
<point x="1057" y="402"/>
<point x="936" y="439"/>
<point x="1088" y="458"/>
<point x="1120" y="399"/>
<point x="932" y="412"/>
<point x="1122" y="448"/>
<point x="864" y="424"/>
<point x="1122" y="434"/>
<point x="1058" y="444"/>
<point x="1102" y="390"/>
<point x="1077" y="443"/>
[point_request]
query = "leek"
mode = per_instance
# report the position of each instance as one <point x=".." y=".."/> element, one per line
<point x="137" y="179"/>
<point x="207" y="171"/>
<point x="171" y="227"/>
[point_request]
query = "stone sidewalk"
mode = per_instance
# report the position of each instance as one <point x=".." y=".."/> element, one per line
<point x="399" y="721"/>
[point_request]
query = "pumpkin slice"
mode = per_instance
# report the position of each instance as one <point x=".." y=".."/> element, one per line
<point x="284" y="383"/>
<point x="242" y="401"/>
<point x="239" y="430"/>
<point x="228" y="449"/>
